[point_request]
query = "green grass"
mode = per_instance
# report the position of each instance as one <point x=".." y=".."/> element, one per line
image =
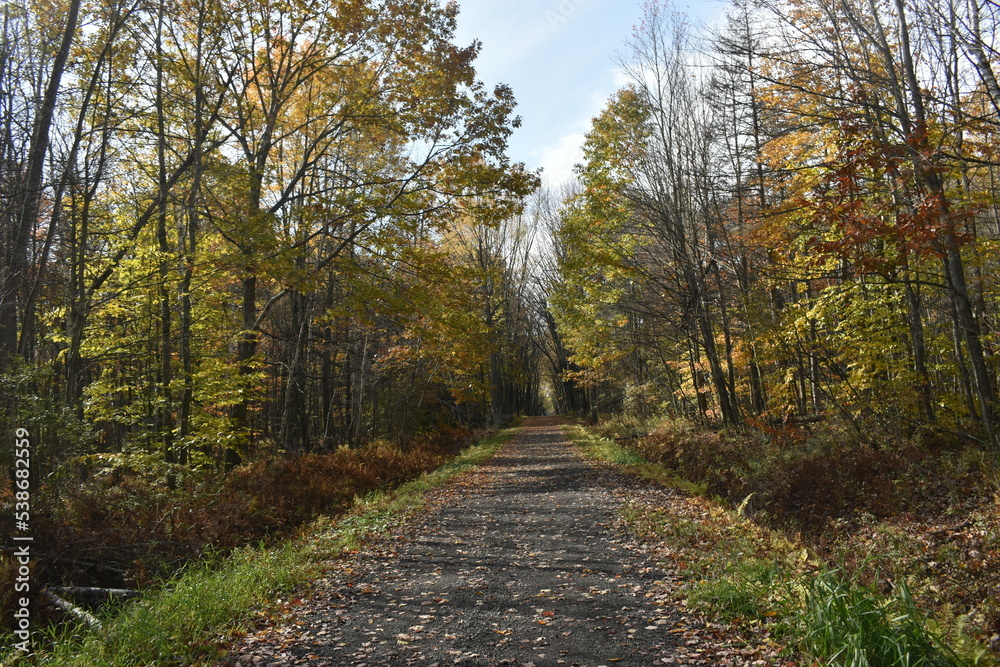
<point x="733" y="570"/>
<point x="186" y="620"/>
<point x="181" y="621"/>
<point x="845" y="623"/>
<point x="747" y="588"/>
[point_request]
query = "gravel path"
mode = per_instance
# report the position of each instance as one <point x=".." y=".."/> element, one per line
<point x="529" y="566"/>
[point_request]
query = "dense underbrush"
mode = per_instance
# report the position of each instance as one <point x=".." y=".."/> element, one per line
<point x="905" y="524"/>
<point x="126" y="522"/>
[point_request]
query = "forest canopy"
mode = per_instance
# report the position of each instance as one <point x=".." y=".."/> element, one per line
<point x="231" y="225"/>
<point x="793" y="216"/>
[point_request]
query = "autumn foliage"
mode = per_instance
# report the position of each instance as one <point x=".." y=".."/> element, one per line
<point x="798" y="226"/>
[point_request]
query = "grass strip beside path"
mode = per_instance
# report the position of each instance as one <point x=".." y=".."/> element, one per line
<point x="767" y="588"/>
<point x="190" y="618"/>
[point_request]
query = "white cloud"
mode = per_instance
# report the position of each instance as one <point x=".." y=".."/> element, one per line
<point x="557" y="57"/>
<point x="557" y="159"/>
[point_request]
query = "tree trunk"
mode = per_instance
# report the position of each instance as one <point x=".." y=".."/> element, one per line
<point x="164" y="414"/>
<point x="915" y="324"/>
<point x="14" y="278"/>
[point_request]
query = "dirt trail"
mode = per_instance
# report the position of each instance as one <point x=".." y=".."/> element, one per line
<point x="529" y="567"/>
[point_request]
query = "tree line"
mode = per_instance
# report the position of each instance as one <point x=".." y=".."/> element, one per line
<point x="793" y="216"/>
<point x="292" y="225"/>
<point x="276" y="225"/>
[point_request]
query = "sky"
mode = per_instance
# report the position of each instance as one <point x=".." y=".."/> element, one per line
<point x="558" y="56"/>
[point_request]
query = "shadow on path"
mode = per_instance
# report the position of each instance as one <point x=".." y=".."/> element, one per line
<point x="532" y="567"/>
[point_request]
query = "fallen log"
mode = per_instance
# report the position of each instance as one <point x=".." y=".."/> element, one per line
<point x="92" y="593"/>
<point x="72" y="609"/>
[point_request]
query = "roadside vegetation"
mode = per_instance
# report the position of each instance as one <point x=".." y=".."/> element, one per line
<point x="256" y="259"/>
<point x="834" y="584"/>
<point x="187" y="619"/>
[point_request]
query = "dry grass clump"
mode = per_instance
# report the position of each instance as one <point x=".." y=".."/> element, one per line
<point x="924" y="512"/>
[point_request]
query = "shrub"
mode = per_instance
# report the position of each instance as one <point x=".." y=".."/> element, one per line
<point x="114" y="521"/>
<point x="804" y="482"/>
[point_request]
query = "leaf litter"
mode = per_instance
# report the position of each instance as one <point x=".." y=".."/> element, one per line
<point x="522" y="561"/>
